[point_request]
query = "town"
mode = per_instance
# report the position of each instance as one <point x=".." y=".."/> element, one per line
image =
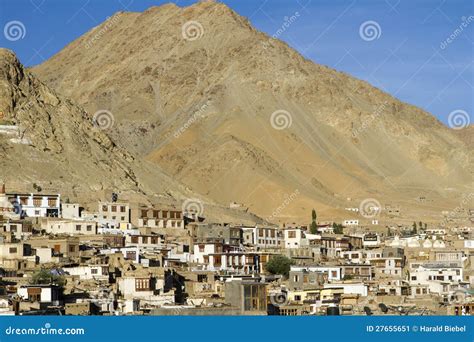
<point x="123" y="258"/>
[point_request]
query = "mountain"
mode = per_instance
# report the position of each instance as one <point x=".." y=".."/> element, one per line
<point x="49" y="142"/>
<point x="238" y="116"/>
<point x="467" y="135"/>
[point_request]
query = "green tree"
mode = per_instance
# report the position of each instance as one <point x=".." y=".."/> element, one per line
<point x="279" y="264"/>
<point x="314" y="225"/>
<point x="414" y="228"/>
<point x="337" y="228"/>
<point x="45" y="277"/>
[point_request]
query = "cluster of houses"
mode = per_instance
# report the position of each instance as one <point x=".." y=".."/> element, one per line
<point x="122" y="258"/>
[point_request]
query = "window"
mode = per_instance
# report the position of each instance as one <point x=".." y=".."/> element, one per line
<point x="89" y="228"/>
<point x="114" y="208"/>
<point x="94" y="271"/>
<point x="122" y="218"/>
<point x="292" y="234"/>
<point x="130" y="255"/>
<point x="72" y="248"/>
<point x="122" y="209"/>
<point x="37" y="202"/>
<point x="12" y="250"/>
<point x="104" y="208"/>
<point x="142" y="284"/>
<point x="78" y="227"/>
<point x="51" y="202"/>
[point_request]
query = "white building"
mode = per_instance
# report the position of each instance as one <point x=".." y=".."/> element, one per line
<point x="20" y="229"/>
<point x="7" y="208"/>
<point x="44" y="254"/>
<point x="333" y="273"/>
<point x="294" y="238"/>
<point x="39" y="293"/>
<point x="71" y="210"/>
<point x="130" y="253"/>
<point x="68" y="226"/>
<point x="438" y="275"/>
<point x="264" y="237"/>
<point x="89" y="272"/>
<point x="371" y="240"/>
<point x="350" y="222"/>
<point x="115" y="212"/>
<point x="37" y="205"/>
<point x="350" y="288"/>
<point x="133" y="287"/>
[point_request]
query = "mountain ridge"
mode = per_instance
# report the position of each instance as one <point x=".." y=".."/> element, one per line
<point x="154" y="79"/>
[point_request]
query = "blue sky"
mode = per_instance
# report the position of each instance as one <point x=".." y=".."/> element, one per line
<point x="408" y="56"/>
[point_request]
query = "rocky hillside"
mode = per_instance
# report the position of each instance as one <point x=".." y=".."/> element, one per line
<point x="238" y="116"/>
<point x="48" y="142"/>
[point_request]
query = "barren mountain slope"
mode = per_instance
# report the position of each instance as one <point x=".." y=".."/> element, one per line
<point x="195" y="90"/>
<point x="49" y="141"/>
